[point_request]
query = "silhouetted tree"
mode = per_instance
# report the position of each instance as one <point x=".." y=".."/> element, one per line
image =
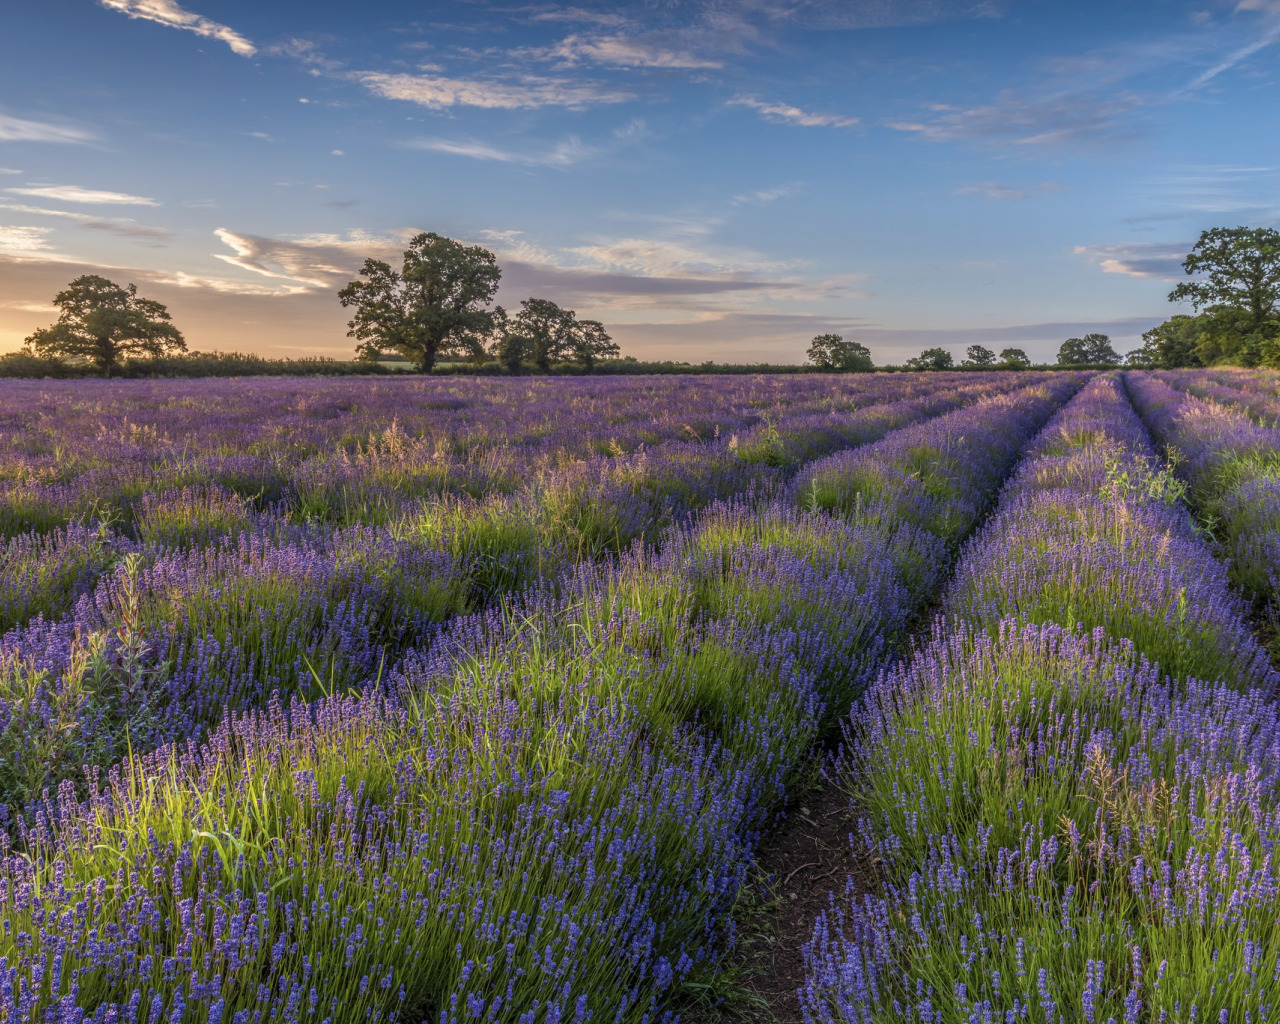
<point x="979" y="355"/>
<point x="548" y="329"/>
<point x="589" y="342"/>
<point x="552" y="333"/>
<point x="1092" y="348"/>
<point x="1014" y="357"/>
<point x="830" y="352"/>
<point x="102" y="322"/>
<point x="433" y="306"/>
<point x="931" y="359"/>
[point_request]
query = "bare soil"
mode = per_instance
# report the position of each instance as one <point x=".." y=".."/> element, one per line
<point x="800" y="869"/>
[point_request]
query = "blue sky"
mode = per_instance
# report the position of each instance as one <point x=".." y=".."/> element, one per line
<point x="713" y="180"/>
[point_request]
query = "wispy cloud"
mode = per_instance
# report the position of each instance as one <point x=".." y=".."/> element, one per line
<point x="43" y="211"/>
<point x="76" y="194"/>
<point x="31" y="307"/>
<point x="764" y="196"/>
<point x="563" y="154"/>
<point x="310" y="262"/>
<point x="785" y="113"/>
<point x="17" y="129"/>
<point x="25" y="242"/>
<point x="997" y="192"/>
<point x="626" y="52"/>
<point x="437" y="92"/>
<point x="1159" y="260"/>
<point x="866" y="14"/>
<point x="1243" y="53"/>
<point x="677" y="272"/>
<point x="1061" y="119"/>
<point x="144" y="233"/>
<point x="9" y="170"/>
<point x="167" y="12"/>
<point x="580" y="15"/>
<point x="224" y="286"/>
<point x="993" y="190"/>
<point x="121" y="226"/>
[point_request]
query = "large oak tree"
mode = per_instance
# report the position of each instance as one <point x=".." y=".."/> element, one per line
<point x="435" y="305"/>
<point x="103" y="323"/>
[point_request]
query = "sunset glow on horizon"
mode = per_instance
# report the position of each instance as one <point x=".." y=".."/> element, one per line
<point x="712" y="180"/>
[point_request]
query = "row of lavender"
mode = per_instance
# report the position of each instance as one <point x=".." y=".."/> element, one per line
<point x="1231" y="464"/>
<point x="363" y="451"/>
<point x="115" y="642"/>
<point x="1256" y="393"/>
<point x="1073" y="792"/>
<point x="544" y="816"/>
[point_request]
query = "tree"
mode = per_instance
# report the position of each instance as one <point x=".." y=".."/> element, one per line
<point x="551" y="333"/>
<point x="822" y="351"/>
<point x="1092" y="348"/>
<point x="979" y="355"/>
<point x="1170" y="345"/>
<point x="511" y="350"/>
<point x="548" y="329"/>
<point x="434" y="306"/>
<point x="1014" y="357"/>
<point x="931" y="359"/>
<point x="1242" y="268"/>
<point x="589" y="341"/>
<point x="102" y="322"/>
<point x="830" y="352"/>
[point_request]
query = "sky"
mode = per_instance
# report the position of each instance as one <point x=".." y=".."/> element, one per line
<point x="713" y="179"/>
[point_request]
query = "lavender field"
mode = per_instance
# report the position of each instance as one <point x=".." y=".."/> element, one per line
<point x="448" y="700"/>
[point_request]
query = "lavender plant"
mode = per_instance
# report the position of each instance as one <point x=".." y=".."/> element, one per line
<point x="543" y="813"/>
<point x="1068" y="828"/>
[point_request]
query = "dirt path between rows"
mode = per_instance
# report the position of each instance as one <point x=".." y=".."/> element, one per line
<point x="801" y="868"/>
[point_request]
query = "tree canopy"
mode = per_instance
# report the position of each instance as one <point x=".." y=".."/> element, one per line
<point x="1014" y="357"/>
<point x="435" y="305"/>
<point x="931" y="359"/>
<point x="979" y="355"/>
<point x="1241" y="268"/>
<point x="1171" y="344"/>
<point x="1236" y="299"/>
<point x="102" y="322"/>
<point x="830" y="352"/>
<point x="1092" y="348"/>
<point x="543" y="332"/>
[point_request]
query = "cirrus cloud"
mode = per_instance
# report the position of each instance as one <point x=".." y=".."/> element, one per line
<point x="563" y="154"/>
<point x="167" y="12"/>
<point x="76" y="194"/>
<point x="438" y="92"/>
<point x="17" y="129"/>
<point x="785" y="113"/>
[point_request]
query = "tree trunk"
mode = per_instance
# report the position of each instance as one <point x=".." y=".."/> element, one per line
<point x="105" y="356"/>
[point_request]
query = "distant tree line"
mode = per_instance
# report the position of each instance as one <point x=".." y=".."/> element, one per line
<point x="439" y="305"/>
<point x="1236" y="298"/>
<point x="436" y="305"/>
